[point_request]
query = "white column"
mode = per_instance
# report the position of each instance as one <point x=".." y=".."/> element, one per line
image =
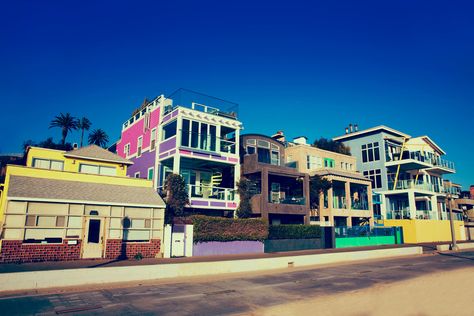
<point x="166" y="242"/>
<point x="412" y="204"/>
<point x="434" y="207"/>
<point x="383" y="206"/>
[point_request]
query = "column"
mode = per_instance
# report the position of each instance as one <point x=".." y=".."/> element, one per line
<point x="330" y="199"/>
<point x="347" y="188"/>
<point x="434" y="207"/>
<point x="412" y="204"/>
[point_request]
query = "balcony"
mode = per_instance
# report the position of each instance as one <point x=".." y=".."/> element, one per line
<point x="205" y="196"/>
<point x="411" y="160"/>
<point x="289" y="200"/>
<point x="413" y="185"/>
<point x="442" y="166"/>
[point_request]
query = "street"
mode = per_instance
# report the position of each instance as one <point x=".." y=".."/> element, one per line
<point x="293" y="291"/>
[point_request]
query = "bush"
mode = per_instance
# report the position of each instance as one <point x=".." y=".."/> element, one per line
<point x="228" y="229"/>
<point x="294" y="232"/>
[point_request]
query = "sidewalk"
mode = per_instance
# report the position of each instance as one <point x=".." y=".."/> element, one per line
<point x="103" y="263"/>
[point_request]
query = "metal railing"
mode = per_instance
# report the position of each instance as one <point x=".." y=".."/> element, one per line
<point x="291" y="200"/>
<point x="209" y="192"/>
<point x="411" y="184"/>
<point x="361" y="205"/>
<point x="421" y="157"/>
<point x="436" y="161"/>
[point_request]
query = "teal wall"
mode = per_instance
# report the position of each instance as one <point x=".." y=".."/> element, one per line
<point x="345" y="242"/>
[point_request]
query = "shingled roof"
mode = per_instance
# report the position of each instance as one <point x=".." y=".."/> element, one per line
<point x="76" y="191"/>
<point x="94" y="152"/>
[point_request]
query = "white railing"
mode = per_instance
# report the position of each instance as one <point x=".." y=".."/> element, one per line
<point x="209" y="192"/>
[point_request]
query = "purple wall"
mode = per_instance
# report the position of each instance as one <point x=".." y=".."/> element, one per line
<point x="146" y="160"/>
<point x="216" y="248"/>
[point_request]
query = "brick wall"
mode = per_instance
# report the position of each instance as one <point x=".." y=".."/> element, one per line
<point x="17" y="251"/>
<point x="116" y="247"/>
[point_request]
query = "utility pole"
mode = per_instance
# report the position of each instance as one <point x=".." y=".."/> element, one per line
<point x="454" y="246"/>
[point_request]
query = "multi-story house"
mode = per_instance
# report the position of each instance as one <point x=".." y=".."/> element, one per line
<point x="281" y="192"/>
<point x="349" y="201"/>
<point x="406" y="172"/>
<point x="194" y="135"/>
<point x="69" y="205"/>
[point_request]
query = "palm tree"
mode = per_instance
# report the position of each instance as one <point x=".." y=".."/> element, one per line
<point x="84" y="125"/>
<point x="66" y="122"/>
<point x="98" y="137"/>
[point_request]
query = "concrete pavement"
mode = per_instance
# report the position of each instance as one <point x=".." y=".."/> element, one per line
<point x="241" y="295"/>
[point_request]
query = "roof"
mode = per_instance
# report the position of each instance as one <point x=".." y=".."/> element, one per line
<point x="433" y="145"/>
<point x="94" y="152"/>
<point x="381" y="128"/>
<point x="63" y="190"/>
<point x="328" y="172"/>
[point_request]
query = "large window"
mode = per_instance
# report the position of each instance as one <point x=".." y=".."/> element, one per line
<point x="48" y="164"/>
<point x="201" y="135"/>
<point x="370" y="152"/>
<point x="314" y="162"/>
<point x="263" y="155"/>
<point x="375" y="176"/>
<point x="329" y="163"/>
<point x="96" y="169"/>
<point x="169" y="130"/>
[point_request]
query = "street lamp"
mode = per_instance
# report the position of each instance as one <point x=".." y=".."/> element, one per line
<point x="454" y="246"/>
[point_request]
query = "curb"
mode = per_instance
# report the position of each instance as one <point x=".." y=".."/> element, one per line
<point x="36" y="280"/>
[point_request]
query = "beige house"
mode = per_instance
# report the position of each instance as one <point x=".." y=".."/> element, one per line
<point x="349" y="201"/>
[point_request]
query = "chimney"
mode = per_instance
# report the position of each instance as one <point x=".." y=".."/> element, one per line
<point x="75" y="146"/>
<point x="356" y="128"/>
<point x="347" y="130"/>
<point x="301" y="140"/>
<point x="350" y="128"/>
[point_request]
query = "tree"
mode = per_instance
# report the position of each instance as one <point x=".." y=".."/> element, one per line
<point x="176" y="197"/>
<point x="317" y="185"/>
<point x="66" y="122"/>
<point x="98" y="137"/>
<point x="329" y="144"/>
<point x="244" y="188"/>
<point x="84" y="125"/>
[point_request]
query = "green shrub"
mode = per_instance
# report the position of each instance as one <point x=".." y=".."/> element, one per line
<point x="228" y="229"/>
<point x="294" y="232"/>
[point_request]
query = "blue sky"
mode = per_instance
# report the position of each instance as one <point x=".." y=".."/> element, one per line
<point x="308" y="69"/>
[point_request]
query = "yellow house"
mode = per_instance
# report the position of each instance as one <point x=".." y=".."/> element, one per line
<point x="68" y="205"/>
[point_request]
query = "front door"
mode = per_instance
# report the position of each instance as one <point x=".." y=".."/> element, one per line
<point x="93" y="239"/>
<point x="177" y="241"/>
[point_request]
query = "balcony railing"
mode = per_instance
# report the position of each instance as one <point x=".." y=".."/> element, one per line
<point x="209" y="192"/>
<point x="207" y="142"/>
<point x="439" y="162"/>
<point x="411" y="184"/>
<point x="359" y="205"/>
<point x="287" y="200"/>
<point x="422" y="157"/>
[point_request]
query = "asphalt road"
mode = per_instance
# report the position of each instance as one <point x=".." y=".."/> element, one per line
<point x="239" y="295"/>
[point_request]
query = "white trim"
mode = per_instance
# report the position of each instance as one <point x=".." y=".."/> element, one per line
<point x="135" y="175"/>
<point x="27" y="199"/>
<point x="148" y="173"/>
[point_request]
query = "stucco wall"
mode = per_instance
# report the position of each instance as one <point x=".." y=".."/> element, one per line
<point x="416" y="231"/>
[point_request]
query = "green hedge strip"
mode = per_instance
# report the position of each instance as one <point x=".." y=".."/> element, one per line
<point x="294" y="232"/>
<point x="228" y="229"/>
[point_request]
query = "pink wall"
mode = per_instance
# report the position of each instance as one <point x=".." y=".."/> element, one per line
<point x="131" y="134"/>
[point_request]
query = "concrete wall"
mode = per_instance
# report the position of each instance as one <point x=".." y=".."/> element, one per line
<point x="417" y="231"/>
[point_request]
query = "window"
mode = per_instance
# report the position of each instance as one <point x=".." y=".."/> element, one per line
<point x="263" y="155"/>
<point x="95" y="169"/>
<point x="137" y="175"/>
<point x="150" y="173"/>
<point x="250" y="150"/>
<point x="313" y="162"/>
<point x="153" y="139"/>
<point x="275" y="158"/>
<point x="45" y="221"/>
<point x="48" y="164"/>
<point x="139" y="146"/>
<point x="126" y="150"/>
<point x="195" y="134"/>
<point x="375" y="176"/>
<point x="370" y="152"/>
<point x="185" y="133"/>
<point x="169" y="130"/>
<point x="329" y="163"/>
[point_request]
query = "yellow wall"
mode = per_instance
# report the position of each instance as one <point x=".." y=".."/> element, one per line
<point x="418" y="231"/>
<point x="70" y="164"/>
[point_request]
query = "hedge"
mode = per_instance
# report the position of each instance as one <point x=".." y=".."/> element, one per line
<point x="294" y="232"/>
<point x="208" y="228"/>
